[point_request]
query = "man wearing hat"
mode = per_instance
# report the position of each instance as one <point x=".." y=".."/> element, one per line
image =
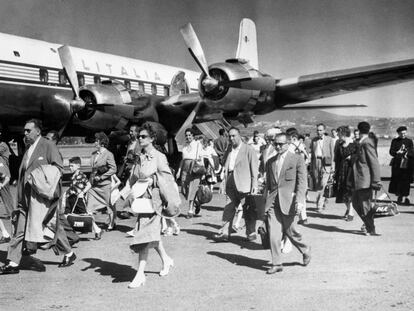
<point x="402" y="166"/>
<point x="366" y="177"/>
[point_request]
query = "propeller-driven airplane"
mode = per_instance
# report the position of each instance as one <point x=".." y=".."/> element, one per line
<point x="75" y="90"/>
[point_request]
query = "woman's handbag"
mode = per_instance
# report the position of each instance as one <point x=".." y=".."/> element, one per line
<point x="330" y="188"/>
<point x="80" y="222"/>
<point x="384" y="208"/>
<point x="141" y="204"/>
<point x="197" y="167"/>
<point x="203" y="195"/>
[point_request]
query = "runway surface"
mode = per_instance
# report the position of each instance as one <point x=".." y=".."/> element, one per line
<point x="348" y="271"/>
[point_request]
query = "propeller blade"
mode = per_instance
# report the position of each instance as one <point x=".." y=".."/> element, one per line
<point x="63" y="128"/>
<point x="69" y="67"/>
<point x="194" y="47"/>
<point x="257" y="84"/>
<point x="179" y="137"/>
<point x="182" y="99"/>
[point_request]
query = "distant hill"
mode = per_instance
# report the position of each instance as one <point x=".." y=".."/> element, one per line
<point x="306" y="120"/>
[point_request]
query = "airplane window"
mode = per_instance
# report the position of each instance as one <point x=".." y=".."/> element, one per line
<point x="166" y="91"/>
<point x="17" y="54"/>
<point x="62" y="78"/>
<point x="153" y="89"/>
<point x="43" y="75"/>
<point x="141" y="88"/>
<point x="97" y="79"/>
<point x="127" y="84"/>
<point x="81" y="80"/>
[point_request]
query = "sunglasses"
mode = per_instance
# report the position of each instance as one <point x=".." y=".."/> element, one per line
<point x="279" y="144"/>
<point x="142" y="136"/>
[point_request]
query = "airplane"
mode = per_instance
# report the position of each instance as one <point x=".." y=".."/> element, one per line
<point x="78" y="91"/>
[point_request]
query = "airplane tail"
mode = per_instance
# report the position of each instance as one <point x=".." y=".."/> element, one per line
<point x="247" y="47"/>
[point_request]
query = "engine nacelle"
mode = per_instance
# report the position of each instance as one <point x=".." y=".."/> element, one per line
<point x="113" y="105"/>
<point x="233" y="100"/>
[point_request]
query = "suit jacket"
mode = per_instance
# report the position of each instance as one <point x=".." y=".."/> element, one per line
<point x="45" y="152"/>
<point x="365" y="165"/>
<point x="102" y="162"/>
<point x="328" y="147"/>
<point x="246" y="168"/>
<point x="291" y="185"/>
<point x="36" y="208"/>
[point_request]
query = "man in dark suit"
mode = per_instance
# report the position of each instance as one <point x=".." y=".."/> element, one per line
<point x="221" y="144"/>
<point x="240" y="169"/>
<point x="366" y="178"/>
<point x="322" y="165"/>
<point x="285" y="197"/>
<point x="39" y="152"/>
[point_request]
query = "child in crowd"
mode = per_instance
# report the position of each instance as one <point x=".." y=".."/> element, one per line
<point x="75" y="195"/>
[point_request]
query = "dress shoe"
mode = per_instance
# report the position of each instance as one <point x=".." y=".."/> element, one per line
<point x="307" y="257"/>
<point x="221" y="237"/>
<point x="7" y="269"/>
<point x="167" y="266"/>
<point x="197" y="209"/>
<point x="399" y="200"/>
<point x="137" y="282"/>
<point x="274" y="269"/>
<point x="374" y="233"/>
<point x="176" y="230"/>
<point x="407" y="201"/>
<point x="251" y="237"/>
<point x="67" y="261"/>
<point x="303" y="222"/>
<point x="189" y="215"/>
<point x="124" y="215"/>
<point x="4" y="240"/>
<point x="98" y="236"/>
<point x="349" y="218"/>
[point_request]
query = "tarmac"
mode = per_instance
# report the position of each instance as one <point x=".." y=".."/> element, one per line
<point x="348" y="271"/>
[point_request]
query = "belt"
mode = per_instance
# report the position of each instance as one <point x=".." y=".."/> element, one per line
<point x="231" y="172"/>
<point x="319" y="157"/>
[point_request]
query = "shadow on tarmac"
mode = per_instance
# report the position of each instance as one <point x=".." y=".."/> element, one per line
<point x="332" y="229"/>
<point x="119" y="273"/>
<point x="321" y="215"/>
<point x="241" y="260"/>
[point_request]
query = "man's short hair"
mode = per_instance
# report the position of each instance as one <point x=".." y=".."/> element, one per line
<point x="222" y="131"/>
<point x="292" y="131"/>
<point x="321" y="124"/>
<point x="255" y="133"/>
<point x="234" y="128"/>
<point x="364" y="127"/>
<point x="75" y="160"/>
<point x="37" y="123"/>
<point x="283" y="134"/>
<point x="400" y="129"/>
<point x="55" y="135"/>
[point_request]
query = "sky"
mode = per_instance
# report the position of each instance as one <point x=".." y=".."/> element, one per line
<point x="295" y="37"/>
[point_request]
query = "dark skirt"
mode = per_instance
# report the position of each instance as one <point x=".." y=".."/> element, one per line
<point x="400" y="181"/>
<point x="190" y="182"/>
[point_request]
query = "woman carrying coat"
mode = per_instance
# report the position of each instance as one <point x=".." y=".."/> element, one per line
<point x="103" y="167"/>
<point x="152" y="168"/>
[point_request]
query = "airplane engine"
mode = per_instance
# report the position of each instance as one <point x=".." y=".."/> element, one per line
<point x="111" y="105"/>
<point x="220" y="95"/>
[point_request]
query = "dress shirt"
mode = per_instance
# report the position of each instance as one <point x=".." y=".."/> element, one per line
<point x="280" y="159"/>
<point x="30" y="150"/>
<point x="192" y="150"/>
<point x="232" y="157"/>
<point x="319" y="146"/>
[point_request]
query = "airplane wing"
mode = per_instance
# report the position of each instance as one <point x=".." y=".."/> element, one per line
<point x="321" y="85"/>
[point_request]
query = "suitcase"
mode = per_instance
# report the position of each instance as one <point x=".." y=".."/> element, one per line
<point x="384" y="208"/>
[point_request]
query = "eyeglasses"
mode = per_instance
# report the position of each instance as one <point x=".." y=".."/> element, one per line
<point x="142" y="136"/>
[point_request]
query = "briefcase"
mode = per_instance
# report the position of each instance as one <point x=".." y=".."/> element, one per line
<point x="264" y="235"/>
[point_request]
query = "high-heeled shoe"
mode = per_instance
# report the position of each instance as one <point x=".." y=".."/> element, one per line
<point x="167" y="266"/>
<point x="137" y="283"/>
